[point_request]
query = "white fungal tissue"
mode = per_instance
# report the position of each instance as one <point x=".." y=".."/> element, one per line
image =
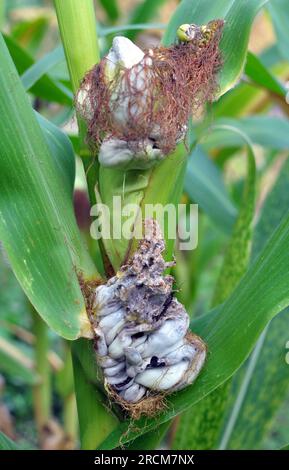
<point x="142" y="338"/>
<point x="129" y="155"/>
<point x="140" y="154"/>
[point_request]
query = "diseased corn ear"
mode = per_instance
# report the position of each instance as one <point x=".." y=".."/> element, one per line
<point x="137" y="104"/>
<point x="142" y="340"/>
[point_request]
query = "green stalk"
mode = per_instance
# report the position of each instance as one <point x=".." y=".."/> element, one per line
<point x="95" y="422"/>
<point x="42" y="390"/>
<point x="65" y="388"/>
<point x="70" y="419"/>
<point x="77" y="25"/>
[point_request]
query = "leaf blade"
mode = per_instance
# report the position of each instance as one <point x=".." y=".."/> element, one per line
<point x="204" y="185"/>
<point x="199" y="427"/>
<point x="37" y="223"/>
<point x="270" y="369"/>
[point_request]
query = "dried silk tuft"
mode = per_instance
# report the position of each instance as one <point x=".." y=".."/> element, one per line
<point x="142" y="341"/>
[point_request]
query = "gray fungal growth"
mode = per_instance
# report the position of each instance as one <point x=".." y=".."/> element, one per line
<point x="142" y="340"/>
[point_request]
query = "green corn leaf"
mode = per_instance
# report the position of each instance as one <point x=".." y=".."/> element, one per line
<point x="266" y="373"/>
<point x="62" y="152"/>
<point x="204" y="186"/>
<point x="279" y="13"/>
<point x="2" y="13"/>
<point x="239" y="249"/>
<point x="45" y="88"/>
<point x="29" y="34"/>
<point x="15" y="363"/>
<point x="40" y="68"/>
<point x="199" y="427"/>
<point x="267" y="131"/>
<point x="106" y="31"/>
<point x="268" y="71"/>
<point x="150" y="440"/>
<point x="260" y="75"/>
<point x="64" y="382"/>
<point x="239" y="101"/>
<point x="111" y="8"/>
<point x="245" y="98"/>
<point x="143" y="13"/>
<point x="14" y="4"/>
<point x="37" y="224"/>
<point x="6" y="443"/>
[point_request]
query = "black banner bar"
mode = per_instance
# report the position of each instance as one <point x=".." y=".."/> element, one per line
<point x="126" y="459"/>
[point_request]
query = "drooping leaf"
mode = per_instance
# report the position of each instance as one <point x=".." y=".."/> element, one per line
<point x="37" y="224"/>
<point x="247" y="98"/>
<point x="266" y="372"/>
<point x="279" y="13"/>
<point x="204" y="185"/>
<point x="15" y="363"/>
<point x="265" y="375"/>
<point x="239" y="249"/>
<point x="199" y="427"/>
<point x="46" y="88"/>
<point x="267" y="131"/>
<point x="2" y="13"/>
<point x="260" y="75"/>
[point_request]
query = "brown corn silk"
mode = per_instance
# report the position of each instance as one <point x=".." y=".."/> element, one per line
<point x="175" y="82"/>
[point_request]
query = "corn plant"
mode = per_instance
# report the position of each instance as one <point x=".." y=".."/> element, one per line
<point x="151" y="342"/>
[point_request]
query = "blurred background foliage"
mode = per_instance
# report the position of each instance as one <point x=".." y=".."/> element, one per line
<point x="257" y="108"/>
